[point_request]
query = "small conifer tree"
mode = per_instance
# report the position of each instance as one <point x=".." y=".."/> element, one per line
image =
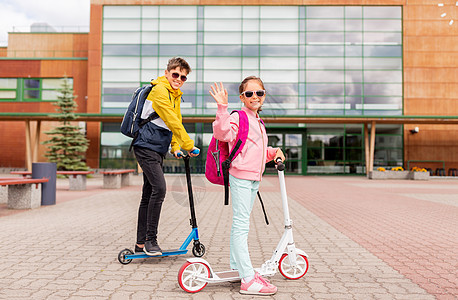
<point x="68" y="144"/>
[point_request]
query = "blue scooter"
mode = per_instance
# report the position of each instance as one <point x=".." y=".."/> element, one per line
<point x="198" y="249"/>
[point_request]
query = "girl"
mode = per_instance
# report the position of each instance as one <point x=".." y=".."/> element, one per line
<point x="245" y="175"/>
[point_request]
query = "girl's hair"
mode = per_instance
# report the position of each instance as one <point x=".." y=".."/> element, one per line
<point x="175" y="62"/>
<point x="245" y="82"/>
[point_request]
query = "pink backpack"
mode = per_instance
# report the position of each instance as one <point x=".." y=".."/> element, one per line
<point x="219" y="158"/>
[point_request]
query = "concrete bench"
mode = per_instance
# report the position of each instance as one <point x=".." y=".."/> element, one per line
<point x="115" y="179"/>
<point x="23" y="193"/>
<point x="77" y="179"/>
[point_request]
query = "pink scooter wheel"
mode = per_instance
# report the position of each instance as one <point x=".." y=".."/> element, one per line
<point x="285" y="268"/>
<point x="188" y="276"/>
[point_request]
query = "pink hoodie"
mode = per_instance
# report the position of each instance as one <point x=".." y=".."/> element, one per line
<point x="251" y="162"/>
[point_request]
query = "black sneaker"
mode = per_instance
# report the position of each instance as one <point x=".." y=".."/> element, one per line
<point x="138" y="249"/>
<point x="152" y="249"/>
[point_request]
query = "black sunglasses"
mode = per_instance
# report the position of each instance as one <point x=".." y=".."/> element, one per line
<point x="182" y="77"/>
<point x="249" y="94"/>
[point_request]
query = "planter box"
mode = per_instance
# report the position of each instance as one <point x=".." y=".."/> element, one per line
<point x="399" y="175"/>
<point x="389" y="175"/>
<point x="419" y="175"/>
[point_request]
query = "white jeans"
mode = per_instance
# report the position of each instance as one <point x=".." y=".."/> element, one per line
<point x="243" y="193"/>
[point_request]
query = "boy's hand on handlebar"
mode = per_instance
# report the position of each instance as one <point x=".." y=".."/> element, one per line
<point x="178" y="154"/>
<point x="194" y="152"/>
<point x="279" y="155"/>
<point x="219" y="93"/>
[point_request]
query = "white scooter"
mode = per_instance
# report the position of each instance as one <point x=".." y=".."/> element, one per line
<point x="196" y="273"/>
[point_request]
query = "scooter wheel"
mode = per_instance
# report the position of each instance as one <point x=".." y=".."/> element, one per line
<point x="198" y="250"/>
<point x="190" y="274"/>
<point x="290" y="272"/>
<point x="122" y="256"/>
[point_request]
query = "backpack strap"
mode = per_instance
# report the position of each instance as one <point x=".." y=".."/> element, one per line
<point x="263" y="210"/>
<point x="242" y="136"/>
<point x="151" y="117"/>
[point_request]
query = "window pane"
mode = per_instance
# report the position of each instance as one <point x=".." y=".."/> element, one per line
<point x="279" y="63"/>
<point x="323" y="12"/>
<point x="118" y="37"/>
<point x="49" y="95"/>
<point x="279" y="51"/>
<point x="382" y="12"/>
<point x="55" y="83"/>
<point x="383" y="89"/>
<point x="150" y="12"/>
<point x="325" y="25"/>
<point x="7" y="94"/>
<point x="222" y="63"/>
<point x="31" y="83"/>
<point x="177" y="50"/>
<point x="279" y="76"/>
<point x="121" y="11"/>
<point x="382" y="25"/>
<point x="325" y="76"/>
<point x="121" y="75"/>
<point x="250" y="25"/>
<point x="150" y="24"/>
<point x="121" y="49"/>
<point x="324" y="89"/>
<point x="231" y="76"/>
<point x="31" y="94"/>
<point x="383" y="76"/>
<point x="121" y="25"/>
<point x="325" y="63"/>
<point x="178" y="12"/>
<point x="8" y="83"/>
<point x="279" y="12"/>
<point x="324" y="37"/>
<point x="383" y="51"/>
<point x="353" y="25"/>
<point x="353" y="12"/>
<point x="383" y="37"/>
<point x="174" y="37"/>
<point x="383" y="63"/>
<point x="229" y="38"/>
<point x="121" y="62"/>
<point x="325" y="50"/>
<point x="222" y="12"/>
<point x="279" y="25"/>
<point x="183" y="25"/>
<point x="223" y="25"/>
<point x="231" y="50"/>
<point x="280" y="38"/>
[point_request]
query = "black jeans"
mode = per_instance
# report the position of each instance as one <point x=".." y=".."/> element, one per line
<point x="153" y="193"/>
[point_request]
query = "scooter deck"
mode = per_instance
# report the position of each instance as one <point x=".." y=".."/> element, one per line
<point x="228" y="275"/>
<point x="164" y="253"/>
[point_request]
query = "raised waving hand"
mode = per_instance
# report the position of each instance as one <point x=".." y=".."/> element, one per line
<point x="219" y="93"/>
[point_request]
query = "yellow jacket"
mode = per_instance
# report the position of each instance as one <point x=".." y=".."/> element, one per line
<point x="166" y="102"/>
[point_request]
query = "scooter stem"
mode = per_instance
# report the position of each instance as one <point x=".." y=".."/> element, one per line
<point x="284" y="199"/>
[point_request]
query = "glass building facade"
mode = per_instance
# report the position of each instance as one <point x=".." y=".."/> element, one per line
<point x="314" y="61"/>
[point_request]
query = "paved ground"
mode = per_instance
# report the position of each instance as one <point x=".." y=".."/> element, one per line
<point x="365" y="239"/>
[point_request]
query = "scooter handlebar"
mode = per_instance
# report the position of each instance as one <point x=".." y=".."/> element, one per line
<point x="280" y="166"/>
<point x="195" y="151"/>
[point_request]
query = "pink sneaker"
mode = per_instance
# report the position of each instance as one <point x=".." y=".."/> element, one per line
<point x="258" y="286"/>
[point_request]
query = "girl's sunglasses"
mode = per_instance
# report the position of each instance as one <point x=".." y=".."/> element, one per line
<point x="249" y="94"/>
<point x="182" y="77"/>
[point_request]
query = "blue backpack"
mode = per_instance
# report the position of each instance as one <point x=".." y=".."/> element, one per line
<point x="132" y="121"/>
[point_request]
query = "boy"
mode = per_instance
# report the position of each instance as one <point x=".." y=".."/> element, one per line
<point x="152" y="145"/>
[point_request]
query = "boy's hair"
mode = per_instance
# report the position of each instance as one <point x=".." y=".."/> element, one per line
<point x="175" y="62"/>
<point x="245" y="82"/>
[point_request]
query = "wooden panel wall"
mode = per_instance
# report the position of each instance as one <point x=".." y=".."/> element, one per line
<point x="431" y="80"/>
<point x="47" y="44"/>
